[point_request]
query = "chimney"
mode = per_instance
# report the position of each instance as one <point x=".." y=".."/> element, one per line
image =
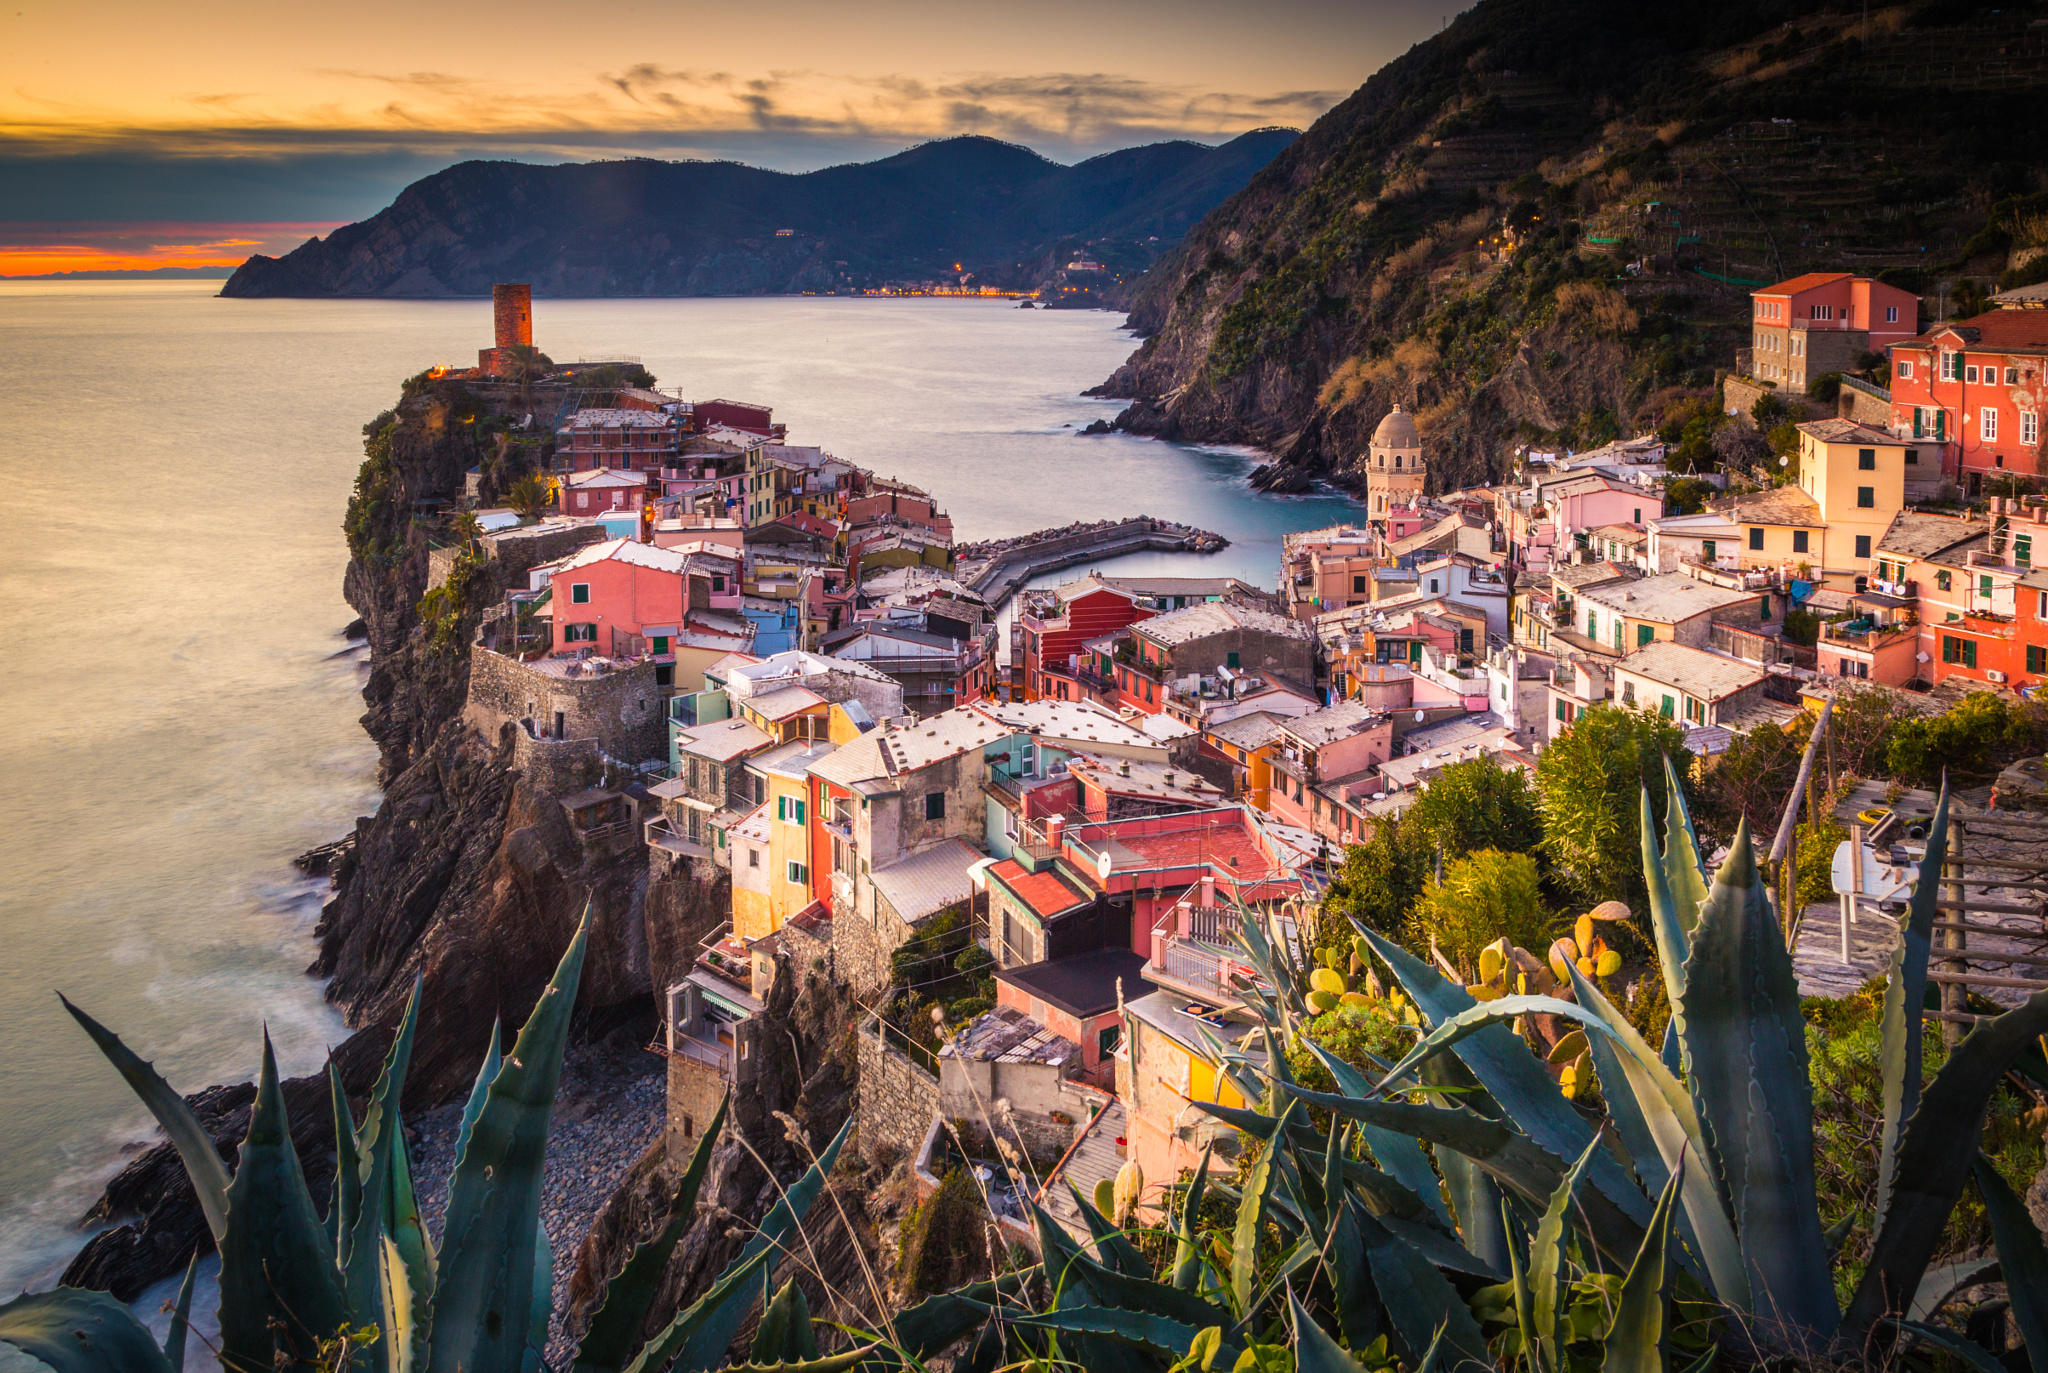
<point x="1053" y="825"/>
<point x="1209" y="889"/>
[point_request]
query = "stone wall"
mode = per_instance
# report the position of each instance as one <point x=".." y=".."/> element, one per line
<point x="694" y="1091"/>
<point x="898" y="1099"/>
<point x="518" y="551"/>
<point x="440" y="566"/>
<point x="618" y="711"/>
<point x="1865" y="406"/>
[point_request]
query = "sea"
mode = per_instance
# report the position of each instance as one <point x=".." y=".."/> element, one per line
<point x="178" y="707"/>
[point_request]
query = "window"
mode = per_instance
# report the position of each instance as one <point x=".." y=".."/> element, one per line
<point x="2041" y="605"/>
<point x="796" y="873"/>
<point x="1358" y="586"/>
<point x="1628" y="691"/>
<point x="1984" y="587"/>
<point x="659" y="643"/>
<point x="1617" y="634"/>
<point x="1645" y="634"/>
<point x="1862" y="545"/>
<point x="1756" y="539"/>
<point x="2030" y="427"/>
<point x="789" y="809"/>
<point x="2037" y="659"/>
<point x="1905" y="368"/>
<point x="1962" y="651"/>
<point x="1944" y="581"/>
<point x="1667" y="707"/>
<point x="1970" y="372"/>
<point x="935" y="805"/>
<point x="1763" y="609"/>
<point x="1866" y="498"/>
<point x="579" y="593"/>
<point x="1230" y="659"/>
<point x="1987" y="424"/>
<point x="1562" y="717"/>
<point x="1951" y="366"/>
<point x="1866" y="460"/>
<point x="2023" y="549"/>
<point x="1106" y="1040"/>
<point x="1891" y="314"/>
<point x="1799" y="541"/>
<point x="753" y="858"/>
<point x="579" y="634"/>
<point x="1706" y="550"/>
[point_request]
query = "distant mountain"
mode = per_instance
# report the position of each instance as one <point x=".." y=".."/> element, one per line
<point x="1005" y="214"/>
<point x="130" y="274"/>
<point x="1544" y="221"/>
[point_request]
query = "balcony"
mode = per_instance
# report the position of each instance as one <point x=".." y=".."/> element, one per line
<point x="1198" y="969"/>
<point x="687" y="1048"/>
<point x="660" y="834"/>
<point x="1865" y="633"/>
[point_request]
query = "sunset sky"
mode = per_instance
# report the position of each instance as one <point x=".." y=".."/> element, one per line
<point x="138" y="135"/>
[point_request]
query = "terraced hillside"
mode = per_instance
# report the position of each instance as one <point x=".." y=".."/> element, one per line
<point x="1545" y="220"/>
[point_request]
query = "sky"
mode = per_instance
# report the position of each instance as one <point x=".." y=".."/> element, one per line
<point x="135" y="134"/>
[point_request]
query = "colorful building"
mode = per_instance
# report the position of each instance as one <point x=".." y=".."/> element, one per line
<point x="1976" y="390"/>
<point x="1825" y="322"/>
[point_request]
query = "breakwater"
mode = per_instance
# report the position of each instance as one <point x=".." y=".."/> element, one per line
<point x="999" y="567"/>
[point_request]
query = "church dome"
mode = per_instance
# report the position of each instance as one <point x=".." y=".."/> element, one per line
<point x="1397" y="430"/>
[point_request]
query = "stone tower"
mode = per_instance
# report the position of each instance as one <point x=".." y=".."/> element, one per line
<point x="512" y="313"/>
<point x="1393" y="470"/>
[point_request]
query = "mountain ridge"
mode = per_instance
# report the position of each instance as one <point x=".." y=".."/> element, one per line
<point x="1004" y="213"/>
<point x="1543" y="221"/>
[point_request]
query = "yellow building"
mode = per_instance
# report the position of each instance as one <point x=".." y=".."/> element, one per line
<point x="783" y="782"/>
<point x="1249" y="742"/>
<point x="1851" y="484"/>
<point x="1162" y="1071"/>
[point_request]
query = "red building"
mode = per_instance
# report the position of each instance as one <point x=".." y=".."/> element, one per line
<point x="1825" y="322"/>
<point x="733" y="414"/>
<point x="601" y="490"/>
<point x="633" y="440"/>
<point x="1978" y="388"/>
<point x="1053" y="625"/>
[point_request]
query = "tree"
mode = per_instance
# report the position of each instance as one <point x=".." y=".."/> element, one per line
<point x="1739" y="446"/>
<point x="531" y="495"/>
<point x="1970" y="742"/>
<point x="1483" y="896"/>
<point x="1768" y="410"/>
<point x="1588" y="782"/>
<point x="1752" y="778"/>
<point x="467" y="528"/>
<point x="1686" y="495"/>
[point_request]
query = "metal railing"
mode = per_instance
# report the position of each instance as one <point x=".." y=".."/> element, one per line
<point x="690" y="1049"/>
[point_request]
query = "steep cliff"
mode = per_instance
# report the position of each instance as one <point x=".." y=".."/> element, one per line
<point x="1548" y="216"/>
<point x="645" y="228"/>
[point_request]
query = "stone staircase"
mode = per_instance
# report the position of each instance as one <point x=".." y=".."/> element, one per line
<point x="1095" y="1156"/>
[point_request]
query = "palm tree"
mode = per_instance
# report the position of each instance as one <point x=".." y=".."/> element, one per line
<point x="531" y="495"/>
<point x="468" y="528"/>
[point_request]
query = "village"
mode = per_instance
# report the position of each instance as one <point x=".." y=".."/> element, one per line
<point x="1019" y="822"/>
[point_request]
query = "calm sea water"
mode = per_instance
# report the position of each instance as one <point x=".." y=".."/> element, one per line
<point x="180" y="713"/>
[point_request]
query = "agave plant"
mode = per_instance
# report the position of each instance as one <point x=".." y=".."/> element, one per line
<point x="367" y="1288"/>
<point x="1715" y="1124"/>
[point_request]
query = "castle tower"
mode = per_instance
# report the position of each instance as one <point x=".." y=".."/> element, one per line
<point x="1394" y="473"/>
<point x="512" y="313"/>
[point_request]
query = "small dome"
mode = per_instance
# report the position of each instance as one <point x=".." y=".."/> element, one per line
<point x="1396" y="431"/>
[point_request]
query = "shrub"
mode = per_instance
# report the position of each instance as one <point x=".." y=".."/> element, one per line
<point x="1588" y="782"/>
<point x="1482" y="897"/>
<point x="944" y="1241"/>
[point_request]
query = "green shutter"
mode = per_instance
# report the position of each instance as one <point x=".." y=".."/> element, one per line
<point x="1667" y="708"/>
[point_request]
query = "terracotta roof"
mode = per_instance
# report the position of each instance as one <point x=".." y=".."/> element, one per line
<point x="1046" y="892"/>
<point x="2008" y="329"/>
<point x="1805" y="282"/>
<point x="1847" y="431"/>
<point x="1783" y="505"/>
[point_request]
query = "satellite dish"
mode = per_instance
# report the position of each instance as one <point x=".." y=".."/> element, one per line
<point x="1418" y="717"/>
<point x="1103" y="864"/>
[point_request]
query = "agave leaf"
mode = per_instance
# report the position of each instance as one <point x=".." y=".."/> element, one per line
<point x="1684" y="870"/>
<point x="1186" y="1273"/>
<point x="348" y="1183"/>
<point x="785" y="1334"/>
<point x="1258" y="1188"/>
<point x="1934" y="1159"/>
<point x="1314" y="1350"/>
<point x="1306" y="1251"/>
<point x="483" y="1295"/>
<point x="616" y="1327"/>
<point x="1635" y="1342"/>
<point x="280" y="1292"/>
<point x="1402" y="1156"/>
<point x="533" y="1358"/>
<point x="1145" y="1329"/>
<point x="71" y="1330"/>
<point x="939" y="1322"/>
<point x="1745" y="1052"/>
<point x="1655" y="1117"/>
<point x="829" y="1363"/>
<point x="1944" y="1282"/>
<point x="1356" y="1299"/>
<point x="1077" y="1279"/>
<point x="1671" y="930"/>
<point x="406" y="1240"/>
<point x="209" y="1176"/>
<point x="1111" y="1243"/>
<point x="707" y="1343"/>
<point x="1519" y="1084"/>
<point x="1546" y="1261"/>
<point x="1420" y="1302"/>
<point x="1385" y="1197"/>
<point x="1905" y="994"/>
<point x="1949" y="1342"/>
<point x="362" y="1255"/>
<point x="480" y="1090"/>
<point x="181" y="1318"/>
<point x="735" y="1283"/>
<point x="403" y="1340"/>
<point x="2022" y="1257"/>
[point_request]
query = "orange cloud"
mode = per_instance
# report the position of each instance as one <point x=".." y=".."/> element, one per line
<point x="142" y="247"/>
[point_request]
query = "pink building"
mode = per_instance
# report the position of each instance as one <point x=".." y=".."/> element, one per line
<point x="1326" y="749"/>
<point x="622" y="598"/>
<point x="601" y="490"/>
<point x="1583" y="504"/>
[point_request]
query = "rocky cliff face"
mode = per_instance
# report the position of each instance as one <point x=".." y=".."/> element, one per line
<point x="1544" y="222"/>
